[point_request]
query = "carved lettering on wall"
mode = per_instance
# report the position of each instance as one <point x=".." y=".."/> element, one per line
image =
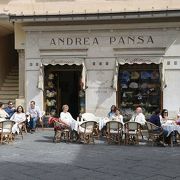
<point x="95" y="41"/>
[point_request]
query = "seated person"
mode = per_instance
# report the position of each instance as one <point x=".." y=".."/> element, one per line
<point x="3" y="114"/>
<point x="155" y="119"/>
<point x="138" y="117"/>
<point x="118" y="117"/>
<point x="112" y="112"/>
<point x="164" y="116"/>
<point x="66" y="118"/>
<point x="18" y="117"/>
<point x="35" y="114"/>
<point x="10" y="109"/>
<point x="178" y="119"/>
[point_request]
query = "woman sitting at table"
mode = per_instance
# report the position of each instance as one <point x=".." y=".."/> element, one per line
<point x="66" y="118"/>
<point x="112" y="112"/>
<point x="178" y="119"/>
<point x="155" y="119"/>
<point x="164" y="116"/>
<point x="18" y="117"/>
<point x="118" y="117"/>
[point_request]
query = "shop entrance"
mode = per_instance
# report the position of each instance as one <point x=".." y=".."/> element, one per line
<point x="139" y="85"/>
<point x="62" y="86"/>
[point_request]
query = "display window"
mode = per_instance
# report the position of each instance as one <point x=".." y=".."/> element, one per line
<point x="139" y="85"/>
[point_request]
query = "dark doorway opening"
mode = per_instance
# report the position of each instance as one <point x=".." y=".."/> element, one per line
<point x="62" y="85"/>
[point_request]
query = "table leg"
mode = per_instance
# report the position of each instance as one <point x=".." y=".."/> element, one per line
<point x="171" y="137"/>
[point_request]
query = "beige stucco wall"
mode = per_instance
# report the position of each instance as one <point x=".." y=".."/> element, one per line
<point x="80" y="6"/>
<point x="19" y="36"/>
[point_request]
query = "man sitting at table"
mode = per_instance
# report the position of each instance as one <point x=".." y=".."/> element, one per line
<point x="155" y="119"/>
<point x="138" y="117"/>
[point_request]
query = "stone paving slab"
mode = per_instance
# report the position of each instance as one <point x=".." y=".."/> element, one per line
<point x="36" y="157"/>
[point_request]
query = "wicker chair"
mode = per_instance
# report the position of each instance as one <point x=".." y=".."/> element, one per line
<point x="61" y="132"/>
<point x="86" y="130"/>
<point x="132" y="132"/>
<point x="6" y="131"/>
<point x="92" y="117"/>
<point x="155" y="133"/>
<point x="114" y="132"/>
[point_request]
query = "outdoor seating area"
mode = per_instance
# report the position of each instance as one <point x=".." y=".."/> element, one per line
<point x="129" y="133"/>
<point x="90" y="129"/>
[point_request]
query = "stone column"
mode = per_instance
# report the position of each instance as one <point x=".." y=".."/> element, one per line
<point x="21" y="53"/>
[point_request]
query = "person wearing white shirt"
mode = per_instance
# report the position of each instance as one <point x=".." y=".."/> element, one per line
<point x="18" y="117"/>
<point x="3" y="113"/>
<point x="138" y="116"/>
<point x="66" y="117"/>
<point x="118" y="117"/>
<point x="35" y="114"/>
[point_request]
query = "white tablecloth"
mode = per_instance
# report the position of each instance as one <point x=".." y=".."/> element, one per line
<point x="171" y="127"/>
<point x="102" y="122"/>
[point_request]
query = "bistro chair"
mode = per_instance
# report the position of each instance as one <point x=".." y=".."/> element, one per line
<point x="61" y="132"/>
<point x="22" y="127"/>
<point x="155" y="133"/>
<point x="132" y="131"/>
<point x="40" y="121"/>
<point x="6" y="131"/>
<point x="114" y="132"/>
<point x="86" y="130"/>
<point x="92" y="117"/>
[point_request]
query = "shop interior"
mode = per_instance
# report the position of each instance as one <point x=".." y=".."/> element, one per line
<point x="63" y="86"/>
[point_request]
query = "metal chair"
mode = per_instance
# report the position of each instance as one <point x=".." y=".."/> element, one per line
<point x="114" y="132"/>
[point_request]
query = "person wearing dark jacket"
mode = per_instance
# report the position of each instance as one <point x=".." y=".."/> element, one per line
<point x="155" y="119"/>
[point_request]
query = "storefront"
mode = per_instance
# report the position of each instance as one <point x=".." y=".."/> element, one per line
<point x="90" y="68"/>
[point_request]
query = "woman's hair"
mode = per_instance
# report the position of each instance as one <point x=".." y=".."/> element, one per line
<point x="21" y="108"/>
<point x="1" y="104"/>
<point x="64" y="106"/>
<point x="164" y="111"/>
<point x="113" y="106"/>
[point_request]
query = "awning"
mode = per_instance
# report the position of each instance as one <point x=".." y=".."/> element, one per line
<point x="61" y="61"/>
<point x="139" y="60"/>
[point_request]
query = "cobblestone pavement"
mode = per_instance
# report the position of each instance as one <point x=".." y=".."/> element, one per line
<point x="37" y="157"/>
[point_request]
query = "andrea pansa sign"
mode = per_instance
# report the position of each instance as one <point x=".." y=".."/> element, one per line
<point x="121" y="41"/>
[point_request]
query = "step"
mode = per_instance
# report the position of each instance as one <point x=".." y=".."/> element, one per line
<point x="5" y="101"/>
<point x="12" y="84"/>
<point x="13" y="74"/>
<point x="7" y="96"/>
<point x="11" y="81"/>
<point x="10" y="88"/>
<point x="9" y="92"/>
<point x="12" y="77"/>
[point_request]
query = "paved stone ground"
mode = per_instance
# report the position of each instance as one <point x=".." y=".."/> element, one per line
<point x="36" y="157"/>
